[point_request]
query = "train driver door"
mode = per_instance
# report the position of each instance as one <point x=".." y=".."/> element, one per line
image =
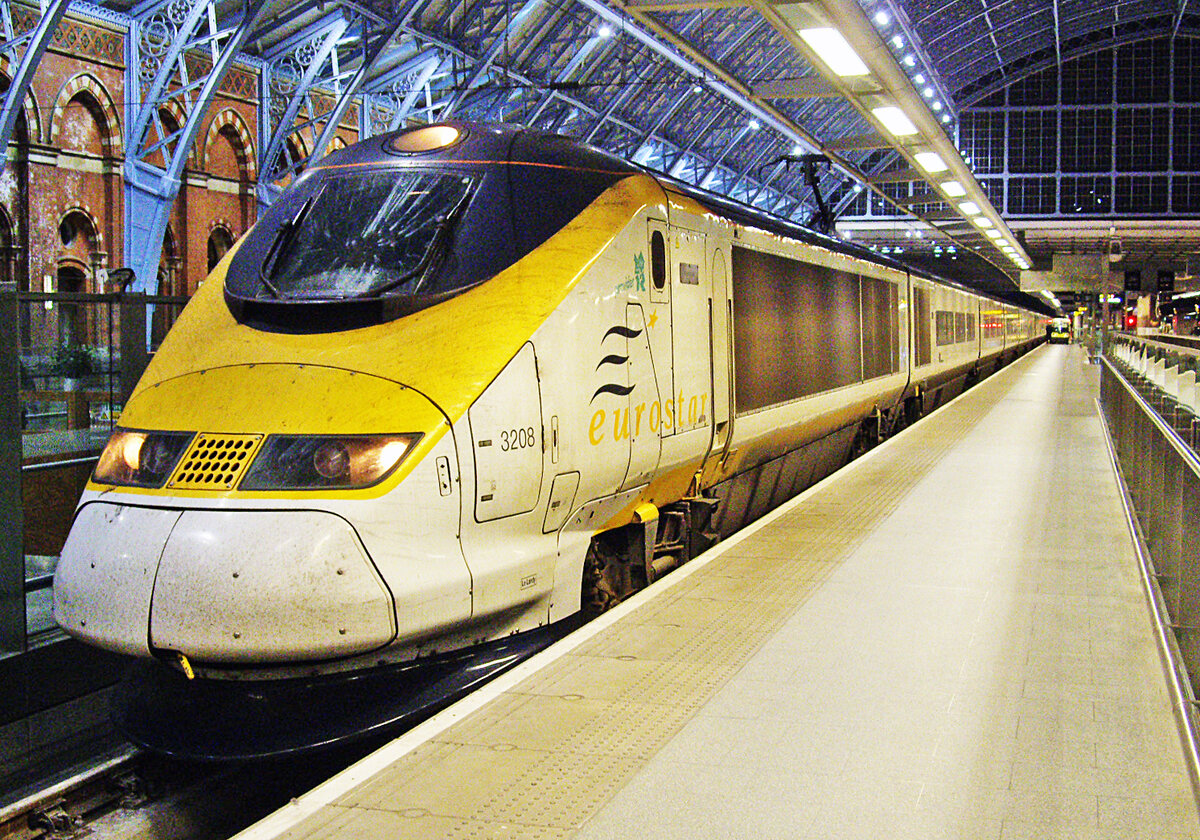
<point x="658" y="317"/>
<point x="721" y="359"/>
<point x="691" y="348"/>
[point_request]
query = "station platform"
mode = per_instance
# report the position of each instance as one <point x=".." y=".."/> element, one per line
<point x="947" y="638"/>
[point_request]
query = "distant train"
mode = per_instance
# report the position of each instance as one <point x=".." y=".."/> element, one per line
<point x="1058" y="331"/>
<point x="466" y="380"/>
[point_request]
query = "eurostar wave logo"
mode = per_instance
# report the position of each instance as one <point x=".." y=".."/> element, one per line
<point x="617" y="360"/>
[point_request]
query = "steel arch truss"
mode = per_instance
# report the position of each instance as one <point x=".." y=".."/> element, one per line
<point x="23" y="49"/>
<point x="177" y="54"/>
<point x="308" y="82"/>
<point x="598" y="77"/>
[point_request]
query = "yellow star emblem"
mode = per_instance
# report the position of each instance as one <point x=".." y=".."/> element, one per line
<point x="653" y="318"/>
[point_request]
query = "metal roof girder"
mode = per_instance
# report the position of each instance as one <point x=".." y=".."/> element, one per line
<point x="711" y="117"/>
<point x="485" y="62"/>
<point x="619" y="102"/>
<point x="316" y="29"/>
<point x="726" y="149"/>
<point x="548" y="34"/>
<point x="374" y="48"/>
<point x="395" y="99"/>
<point x="851" y="21"/>
<point x="309" y="56"/>
<point x="150" y="190"/>
<point x="38" y="39"/>
<point x="403" y="72"/>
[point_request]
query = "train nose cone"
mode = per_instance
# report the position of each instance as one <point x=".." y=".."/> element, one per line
<point x="267" y="586"/>
<point x="105" y="575"/>
<point x="222" y="586"/>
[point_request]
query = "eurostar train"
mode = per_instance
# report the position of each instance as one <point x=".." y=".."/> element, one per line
<point x="467" y="380"/>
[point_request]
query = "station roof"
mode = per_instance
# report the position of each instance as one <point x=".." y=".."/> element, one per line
<point x="728" y="95"/>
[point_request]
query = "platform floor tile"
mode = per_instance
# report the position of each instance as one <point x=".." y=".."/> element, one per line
<point x="948" y="639"/>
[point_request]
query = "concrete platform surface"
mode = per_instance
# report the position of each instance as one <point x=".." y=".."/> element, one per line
<point x="947" y="639"/>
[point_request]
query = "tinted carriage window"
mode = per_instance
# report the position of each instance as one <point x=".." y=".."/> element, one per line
<point x="797" y="329"/>
<point x="922" y="352"/>
<point x="944" y="327"/>
<point x="364" y="234"/>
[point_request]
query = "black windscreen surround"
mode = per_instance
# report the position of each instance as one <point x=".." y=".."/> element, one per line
<point x="798" y="328"/>
<point x="377" y="231"/>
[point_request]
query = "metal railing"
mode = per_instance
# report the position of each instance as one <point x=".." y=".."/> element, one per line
<point x="1148" y="396"/>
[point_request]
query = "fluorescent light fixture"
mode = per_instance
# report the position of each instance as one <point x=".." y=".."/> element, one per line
<point x="992" y="234"/>
<point x="754" y="125"/>
<point x="982" y="221"/>
<point x="945" y="118"/>
<point x="953" y="189"/>
<point x="605" y="31"/>
<point x="970" y="208"/>
<point x="930" y="161"/>
<point x="909" y="61"/>
<point x="919" y="79"/>
<point x="929" y="93"/>
<point x="895" y="121"/>
<point x="882" y="19"/>
<point x="937" y="106"/>
<point x="897" y="42"/>
<point x="834" y="50"/>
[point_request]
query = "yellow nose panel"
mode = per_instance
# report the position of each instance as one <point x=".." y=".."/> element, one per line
<point x="215" y="462"/>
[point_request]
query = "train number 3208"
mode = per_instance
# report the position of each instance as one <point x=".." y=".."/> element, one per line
<point x="517" y="439"/>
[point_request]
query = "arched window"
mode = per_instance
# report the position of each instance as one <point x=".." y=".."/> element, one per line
<point x="72" y="317"/>
<point x="227" y="155"/>
<point x="219" y="243"/>
<point x="84" y="127"/>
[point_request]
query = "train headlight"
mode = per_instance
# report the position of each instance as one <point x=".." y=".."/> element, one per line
<point x="140" y="459"/>
<point x="319" y="462"/>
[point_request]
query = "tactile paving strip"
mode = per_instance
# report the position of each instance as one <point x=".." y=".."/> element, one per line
<point x="539" y="760"/>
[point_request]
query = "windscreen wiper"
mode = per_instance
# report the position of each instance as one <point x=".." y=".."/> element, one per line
<point x="441" y="238"/>
<point x="283" y="238"/>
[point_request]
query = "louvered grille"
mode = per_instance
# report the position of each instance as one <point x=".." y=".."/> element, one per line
<point x="215" y="462"/>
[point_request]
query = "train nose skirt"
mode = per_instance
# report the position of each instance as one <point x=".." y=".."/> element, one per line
<point x="159" y="709"/>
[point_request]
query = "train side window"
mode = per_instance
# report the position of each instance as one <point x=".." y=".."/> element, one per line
<point x="658" y="260"/>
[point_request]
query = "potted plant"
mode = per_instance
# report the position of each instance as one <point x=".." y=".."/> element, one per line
<point x="73" y="363"/>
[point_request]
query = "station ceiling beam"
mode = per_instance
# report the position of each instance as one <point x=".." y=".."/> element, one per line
<point x="24" y="52"/>
<point x="177" y="54"/>
<point x="838" y="40"/>
<point x="324" y="64"/>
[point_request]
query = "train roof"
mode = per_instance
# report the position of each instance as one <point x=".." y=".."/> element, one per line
<point x="468" y="143"/>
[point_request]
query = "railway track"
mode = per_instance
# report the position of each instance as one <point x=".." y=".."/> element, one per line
<point x="141" y="796"/>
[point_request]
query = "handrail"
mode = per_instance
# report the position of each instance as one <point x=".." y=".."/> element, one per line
<point x="97" y="297"/>
<point x="1167" y="346"/>
<point x="1173" y="437"/>
<point x="1183" y="700"/>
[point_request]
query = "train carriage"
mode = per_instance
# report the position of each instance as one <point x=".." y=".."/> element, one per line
<point x="468" y="380"/>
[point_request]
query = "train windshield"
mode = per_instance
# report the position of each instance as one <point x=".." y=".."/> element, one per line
<point x="367" y="234"/>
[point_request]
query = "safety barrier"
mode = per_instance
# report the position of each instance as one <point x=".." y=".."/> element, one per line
<point x="1148" y="395"/>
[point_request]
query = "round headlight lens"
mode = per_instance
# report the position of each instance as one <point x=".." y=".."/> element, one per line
<point x="331" y="460"/>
